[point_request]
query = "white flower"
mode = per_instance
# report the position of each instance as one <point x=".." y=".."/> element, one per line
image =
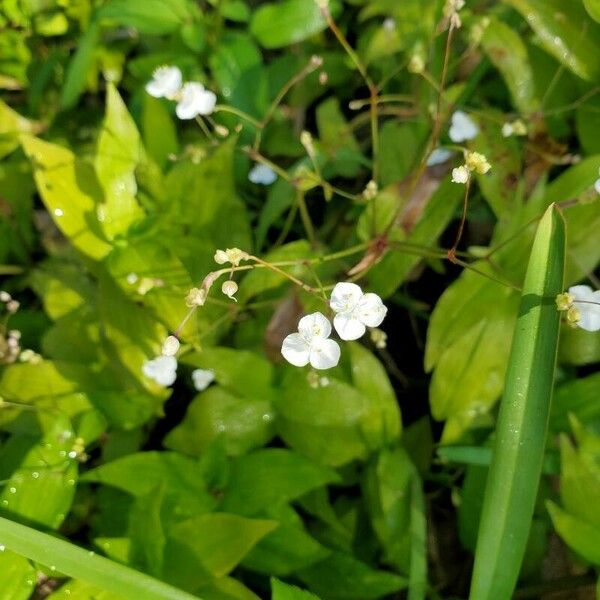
<point x="460" y="174"/>
<point x="262" y="174"/>
<point x="462" y="127"/>
<point x="162" y="369"/>
<point x="507" y="130"/>
<point x="229" y="288"/>
<point x="165" y="83"/>
<point x="355" y="311"/>
<point x="195" y="100"/>
<point x="202" y="378"/>
<point x="310" y="344"/>
<point x="439" y="156"/>
<point x="586" y="303"/>
<point x="231" y="255"/>
<point x="170" y="346"/>
<point x="597" y="184"/>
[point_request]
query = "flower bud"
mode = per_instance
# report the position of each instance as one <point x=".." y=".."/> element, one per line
<point x="460" y="174"/>
<point x="170" y="346"/>
<point x="195" y="297"/>
<point x="5" y="296"/>
<point x="474" y="161"/>
<point x="229" y="288"/>
<point x="573" y="316"/>
<point x="564" y="301"/>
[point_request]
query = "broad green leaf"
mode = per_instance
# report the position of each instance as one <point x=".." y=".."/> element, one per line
<point x="326" y="423"/>
<point x="17" y="576"/>
<point x="237" y="67"/>
<point x="508" y="53"/>
<point x="394" y="138"/>
<point x="152" y="17"/>
<point x="593" y="8"/>
<point x="118" y="153"/>
<point x="158" y="130"/>
<point x="587" y="119"/>
<point x="12" y="124"/>
<point x="79" y="66"/>
<point x="245" y="423"/>
<point x="523" y="420"/>
<point x="284" y="23"/>
<point x="77" y="562"/>
<point x="71" y="194"/>
<point x="387" y="488"/>
<point x="245" y="373"/>
<point x="580" y="535"/>
<point x="80" y="590"/>
<point x="578" y="397"/>
<point x="226" y="588"/>
<point x="579" y="483"/>
<point x="217" y="542"/>
<point x="39" y="475"/>
<point x="285" y="591"/>
<point x="469" y="376"/>
<point x="343" y="577"/>
<point x="271" y="477"/>
<point x="370" y="378"/>
<point x="578" y="347"/>
<point x="417" y="582"/>
<point x="286" y="549"/>
<point x="566" y="32"/>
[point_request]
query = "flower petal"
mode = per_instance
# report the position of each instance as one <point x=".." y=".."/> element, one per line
<point x="165" y="83"/>
<point x="262" y="174"/>
<point x="371" y="310"/>
<point x="324" y="354"/>
<point x="295" y="350"/>
<point x="348" y="326"/>
<point x="315" y="325"/>
<point x="162" y="369"/>
<point x="345" y="297"/>
<point x="195" y="100"/>
<point x="202" y="378"/>
<point x="589" y="311"/>
<point x="462" y="128"/>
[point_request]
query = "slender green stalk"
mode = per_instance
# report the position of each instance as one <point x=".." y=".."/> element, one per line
<point x="516" y="466"/>
<point x="84" y="565"/>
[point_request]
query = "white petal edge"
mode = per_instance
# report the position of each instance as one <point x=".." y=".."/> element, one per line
<point x="348" y="326"/>
<point x="296" y="350"/>
<point x="324" y="354"/>
<point x="345" y="297"/>
<point x="315" y="325"/>
<point x="590" y="312"/>
<point x="371" y="310"/>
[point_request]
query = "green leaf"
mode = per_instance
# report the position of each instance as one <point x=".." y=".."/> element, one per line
<point x="578" y="534"/>
<point x="118" y="153"/>
<point x="215" y="541"/>
<point x="508" y="53"/>
<point x="70" y="192"/>
<point x="579" y="397"/>
<point x="12" y="124"/>
<point x="158" y="130"/>
<point x="245" y="423"/>
<point x="343" y="577"/>
<point x="81" y="564"/>
<point x="80" y="590"/>
<point x="566" y="32"/>
<point x="370" y="378"/>
<point x="17" y="576"/>
<point x="522" y="423"/>
<point x="79" y="66"/>
<point x="152" y="17"/>
<point x="272" y="477"/>
<point x="593" y="8"/>
<point x="284" y="591"/>
<point x="280" y="24"/>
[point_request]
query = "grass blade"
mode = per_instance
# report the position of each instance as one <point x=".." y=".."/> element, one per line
<point x="514" y="474"/>
<point x="80" y="564"/>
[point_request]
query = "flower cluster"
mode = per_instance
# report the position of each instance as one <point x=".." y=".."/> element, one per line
<point x="191" y="97"/>
<point x="515" y="128"/>
<point x="474" y="162"/>
<point x="581" y="306"/>
<point x="354" y="312"/>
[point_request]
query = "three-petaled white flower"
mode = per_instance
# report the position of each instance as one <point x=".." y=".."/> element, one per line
<point x="439" y="156"/>
<point x="262" y="174"/>
<point x="311" y="344"/>
<point x="462" y="127"/>
<point x="354" y="310"/>
<point x="162" y="369"/>
<point x="165" y="83"/>
<point x="585" y="308"/>
<point x="195" y="100"/>
<point x="202" y="378"/>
